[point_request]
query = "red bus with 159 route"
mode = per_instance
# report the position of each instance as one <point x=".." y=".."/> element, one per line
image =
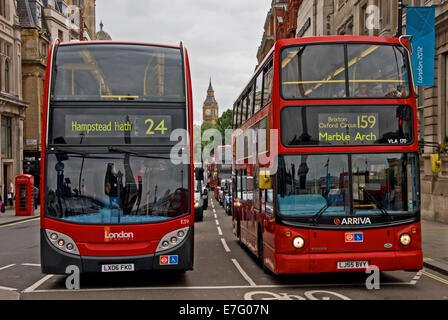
<point x="337" y="117"/>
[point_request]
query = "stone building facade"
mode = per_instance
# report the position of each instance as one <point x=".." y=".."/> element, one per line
<point x="41" y="23"/>
<point x="280" y="23"/>
<point x="12" y="106"/>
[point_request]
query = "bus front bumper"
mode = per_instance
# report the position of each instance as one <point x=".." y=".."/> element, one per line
<point x="55" y="261"/>
<point x="328" y="262"/>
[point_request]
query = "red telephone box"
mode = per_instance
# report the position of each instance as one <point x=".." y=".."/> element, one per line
<point x="24" y="195"/>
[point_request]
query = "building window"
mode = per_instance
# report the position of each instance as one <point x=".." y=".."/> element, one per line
<point x="7" y="76"/>
<point x="6" y="131"/>
<point x="445" y="127"/>
<point x="3" y="8"/>
<point x="421" y="114"/>
<point x="60" y="35"/>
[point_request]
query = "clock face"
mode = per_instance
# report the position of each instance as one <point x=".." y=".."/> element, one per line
<point x="208" y="112"/>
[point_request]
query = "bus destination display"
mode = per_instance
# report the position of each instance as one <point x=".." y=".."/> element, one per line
<point x="118" y="126"/>
<point x="348" y="128"/>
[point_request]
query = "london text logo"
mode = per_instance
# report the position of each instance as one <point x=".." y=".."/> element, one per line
<point x="110" y="236"/>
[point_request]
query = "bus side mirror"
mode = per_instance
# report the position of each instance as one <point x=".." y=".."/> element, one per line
<point x="264" y="180"/>
<point x="436" y="164"/>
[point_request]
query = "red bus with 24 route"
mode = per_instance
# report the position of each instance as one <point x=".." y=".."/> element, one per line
<point x="112" y="198"/>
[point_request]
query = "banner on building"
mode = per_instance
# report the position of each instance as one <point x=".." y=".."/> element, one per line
<point x="421" y="24"/>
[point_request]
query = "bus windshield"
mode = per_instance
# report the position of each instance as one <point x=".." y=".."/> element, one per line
<point x="114" y="72"/>
<point x="344" y="71"/>
<point x="358" y="184"/>
<point x="115" y="188"/>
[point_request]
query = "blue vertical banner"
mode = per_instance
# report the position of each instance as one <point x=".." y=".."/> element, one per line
<point x="421" y="24"/>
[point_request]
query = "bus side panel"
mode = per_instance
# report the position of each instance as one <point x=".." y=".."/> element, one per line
<point x="45" y="116"/>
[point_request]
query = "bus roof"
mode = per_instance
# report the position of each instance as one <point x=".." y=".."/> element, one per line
<point x="322" y="39"/>
<point x="70" y="43"/>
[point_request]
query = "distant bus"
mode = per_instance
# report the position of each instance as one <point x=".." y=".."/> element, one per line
<point x="223" y="166"/>
<point x="112" y="199"/>
<point x="346" y="192"/>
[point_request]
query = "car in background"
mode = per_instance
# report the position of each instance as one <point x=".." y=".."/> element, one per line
<point x="198" y="201"/>
<point x="204" y="197"/>
<point x="227" y="197"/>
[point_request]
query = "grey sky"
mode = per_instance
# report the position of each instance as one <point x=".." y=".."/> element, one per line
<point x="222" y="38"/>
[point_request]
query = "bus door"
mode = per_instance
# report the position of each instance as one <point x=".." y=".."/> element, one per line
<point x="244" y="215"/>
<point x="237" y="206"/>
<point x="252" y="215"/>
<point x="267" y="220"/>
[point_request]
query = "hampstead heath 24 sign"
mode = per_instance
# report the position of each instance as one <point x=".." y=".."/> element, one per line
<point x="420" y="23"/>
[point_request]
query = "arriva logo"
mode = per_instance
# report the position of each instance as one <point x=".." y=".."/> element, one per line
<point x="351" y="221"/>
<point x="110" y="236"/>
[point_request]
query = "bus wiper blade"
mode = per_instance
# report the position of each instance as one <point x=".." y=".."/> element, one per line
<point x="383" y="210"/>
<point x="67" y="150"/>
<point x="319" y="214"/>
<point x="133" y="153"/>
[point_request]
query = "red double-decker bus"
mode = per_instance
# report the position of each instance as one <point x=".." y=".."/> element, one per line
<point x="343" y="192"/>
<point x="112" y="197"/>
<point x="211" y="172"/>
<point x="223" y="167"/>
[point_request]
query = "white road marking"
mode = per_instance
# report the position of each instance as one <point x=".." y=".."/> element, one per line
<point x="219" y="231"/>
<point x="286" y="286"/>
<point x="31" y="264"/>
<point x="6" y="267"/>
<point x="416" y="277"/>
<point x="20" y="222"/>
<point x="216" y="217"/>
<point x="7" y="289"/>
<point x="224" y="243"/>
<point x="33" y="287"/>
<point x="244" y="274"/>
<point x="217" y="222"/>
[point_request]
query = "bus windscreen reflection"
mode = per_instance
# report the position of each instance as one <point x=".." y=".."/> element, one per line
<point x="122" y="189"/>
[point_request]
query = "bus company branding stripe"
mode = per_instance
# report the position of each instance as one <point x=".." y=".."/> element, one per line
<point x="110" y="236"/>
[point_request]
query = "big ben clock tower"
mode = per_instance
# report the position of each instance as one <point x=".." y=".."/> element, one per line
<point x="210" y="109"/>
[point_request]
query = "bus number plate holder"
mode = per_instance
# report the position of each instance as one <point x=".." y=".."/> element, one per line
<point x="117" y="267"/>
<point x="352" y="265"/>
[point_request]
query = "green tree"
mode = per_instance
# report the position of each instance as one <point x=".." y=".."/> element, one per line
<point x="224" y="123"/>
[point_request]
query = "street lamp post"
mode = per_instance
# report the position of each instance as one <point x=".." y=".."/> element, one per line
<point x="401" y="6"/>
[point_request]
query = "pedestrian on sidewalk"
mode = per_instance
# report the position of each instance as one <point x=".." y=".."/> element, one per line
<point x="11" y="193"/>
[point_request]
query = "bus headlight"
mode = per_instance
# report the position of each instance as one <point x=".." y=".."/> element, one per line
<point x="405" y="239"/>
<point x="298" y="242"/>
<point x="62" y="242"/>
<point x="172" y="239"/>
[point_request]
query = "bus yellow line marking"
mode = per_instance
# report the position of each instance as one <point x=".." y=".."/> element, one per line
<point x="433" y="276"/>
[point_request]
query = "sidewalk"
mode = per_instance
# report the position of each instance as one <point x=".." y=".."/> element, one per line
<point x="10" y="216"/>
<point x="434" y="237"/>
<point x="435" y="246"/>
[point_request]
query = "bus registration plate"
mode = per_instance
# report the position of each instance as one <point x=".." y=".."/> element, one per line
<point x="353" y="264"/>
<point x="117" y="267"/>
